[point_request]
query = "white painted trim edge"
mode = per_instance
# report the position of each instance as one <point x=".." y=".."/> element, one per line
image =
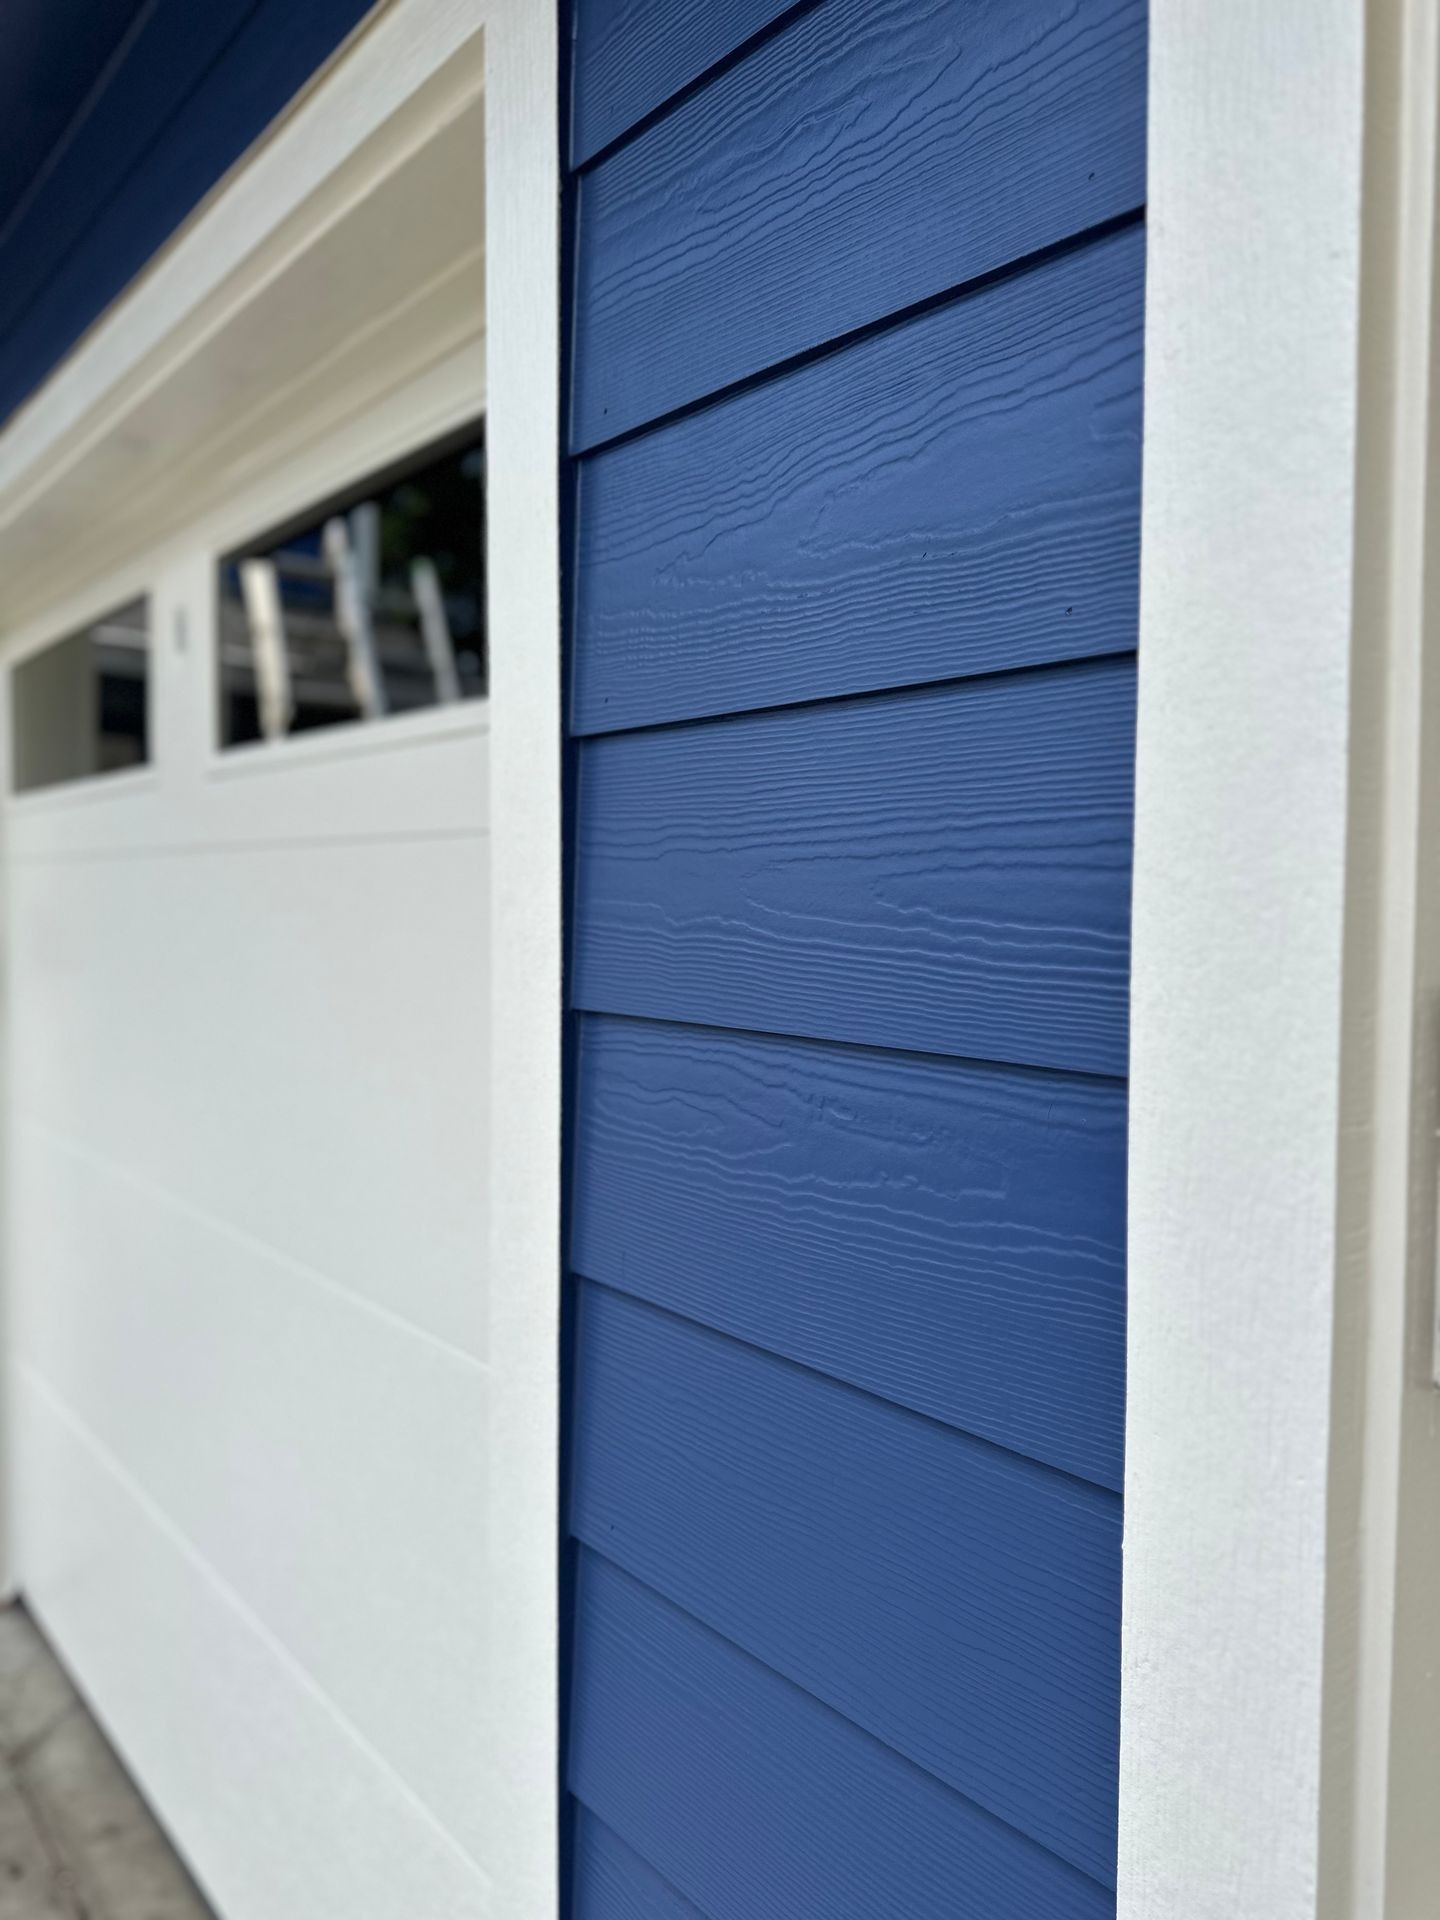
<point x="1380" y="1841"/>
<point x="1240" y="846"/>
<point x="1279" y="1737"/>
<point x="522" y="215"/>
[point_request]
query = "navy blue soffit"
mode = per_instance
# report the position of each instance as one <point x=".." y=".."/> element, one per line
<point x="54" y="58"/>
<point x="128" y="118"/>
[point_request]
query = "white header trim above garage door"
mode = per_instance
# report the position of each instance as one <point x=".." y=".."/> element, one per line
<point x="1283" y="1444"/>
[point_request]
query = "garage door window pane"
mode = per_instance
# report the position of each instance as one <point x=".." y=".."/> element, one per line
<point x="79" y="706"/>
<point x="372" y="604"/>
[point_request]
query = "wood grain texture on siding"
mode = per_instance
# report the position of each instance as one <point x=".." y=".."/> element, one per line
<point x="612" y="1882"/>
<point x="632" y="55"/>
<point x="872" y="154"/>
<point x="959" y="1603"/>
<point x="956" y="494"/>
<point x="945" y="870"/>
<point x="754" y="1799"/>
<point x="947" y="1235"/>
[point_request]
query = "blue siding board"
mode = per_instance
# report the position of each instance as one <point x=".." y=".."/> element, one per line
<point x="872" y="154"/>
<point x="957" y="1602"/>
<point x="197" y="86"/>
<point x="631" y="56"/>
<point x="612" y="1882"/>
<point x="956" y="494"/>
<point x="945" y="870"/>
<point x="947" y="1235"/>
<point x="755" y="1800"/>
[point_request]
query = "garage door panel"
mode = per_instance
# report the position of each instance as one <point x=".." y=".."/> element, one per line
<point x="212" y="1711"/>
<point x="323" y="1446"/>
<point x="291" y="1039"/>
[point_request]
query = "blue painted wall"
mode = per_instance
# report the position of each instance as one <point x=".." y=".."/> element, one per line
<point x="120" y="116"/>
<point x="855" y="436"/>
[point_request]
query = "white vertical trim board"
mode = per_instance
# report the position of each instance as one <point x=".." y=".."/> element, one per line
<point x="1282" y="1486"/>
<point x="1380" y="1836"/>
<point x="523" y="440"/>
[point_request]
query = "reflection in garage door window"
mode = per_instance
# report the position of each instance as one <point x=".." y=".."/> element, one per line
<point x="371" y="604"/>
<point x="78" y="706"/>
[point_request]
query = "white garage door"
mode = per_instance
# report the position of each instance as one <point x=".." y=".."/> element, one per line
<point x="247" y="846"/>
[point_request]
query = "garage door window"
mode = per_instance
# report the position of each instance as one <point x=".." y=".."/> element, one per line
<point x="368" y="605"/>
<point x="79" y="706"/>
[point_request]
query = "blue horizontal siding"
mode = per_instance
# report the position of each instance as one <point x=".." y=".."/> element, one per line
<point x="197" y="85"/>
<point x="946" y="870"/>
<point x="950" y="1236"/>
<point x="612" y="1882"/>
<point x="632" y="56"/>
<point x="956" y="494"/>
<point x="856" y="415"/>
<point x="957" y="1602"/>
<point x="754" y="1800"/>
<point x="872" y="154"/>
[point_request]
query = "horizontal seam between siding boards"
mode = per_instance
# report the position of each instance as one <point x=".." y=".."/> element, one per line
<point x="864" y="1733"/>
<point x="779" y="369"/>
<point x="978" y="1060"/>
<point x="979" y="1063"/>
<point x="681" y="1898"/>
<point x="897" y="689"/>
<point x="998" y="1447"/>
<point x="745" y="50"/>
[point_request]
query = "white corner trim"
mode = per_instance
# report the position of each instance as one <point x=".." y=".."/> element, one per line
<point x="1277" y="1181"/>
<point x="522" y="213"/>
<point x="1238" y="923"/>
<point x="1380" y="1846"/>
